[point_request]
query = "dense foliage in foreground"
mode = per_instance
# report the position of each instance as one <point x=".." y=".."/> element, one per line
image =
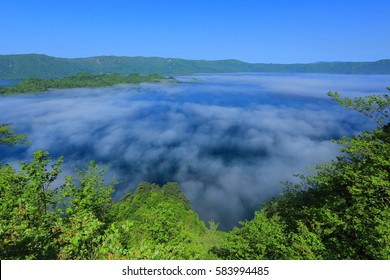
<point x="81" y="80"/>
<point x="341" y="211"/>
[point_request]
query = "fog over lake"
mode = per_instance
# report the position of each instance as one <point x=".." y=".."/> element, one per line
<point x="227" y="139"/>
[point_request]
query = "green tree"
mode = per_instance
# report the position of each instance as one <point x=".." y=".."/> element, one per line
<point x="9" y="137"/>
<point x="25" y="200"/>
<point x="346" y="201"/>
<point x="89" y="192"/>
<point x="39" y="221"/>
<point x="376" y="107"/>
<point x="77" y="236"/>
<point x="260" y="238"/>
<point x="340" y="211"/>
<point x="164" y="224"/>
<point x="172" y="189"/>
<point x="83" y="215"/>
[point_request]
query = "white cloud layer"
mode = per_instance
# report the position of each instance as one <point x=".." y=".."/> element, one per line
<point x="228" y="140"/>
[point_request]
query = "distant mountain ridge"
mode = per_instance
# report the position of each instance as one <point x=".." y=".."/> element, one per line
<point x="22" y="66"/>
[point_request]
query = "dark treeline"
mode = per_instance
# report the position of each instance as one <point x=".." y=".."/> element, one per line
<point x="340" y="211"/>
<point x="81" y="80"/>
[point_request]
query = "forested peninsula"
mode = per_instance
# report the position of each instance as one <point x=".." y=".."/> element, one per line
<point x="81" y="80"/>
<point x="340" y="211"/>
<point x="23" y="66"/>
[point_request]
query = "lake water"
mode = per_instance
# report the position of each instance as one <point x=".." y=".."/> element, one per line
<point x="228" y="139"/>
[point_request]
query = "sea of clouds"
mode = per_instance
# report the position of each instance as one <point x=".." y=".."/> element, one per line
<point x="227" y="139"/>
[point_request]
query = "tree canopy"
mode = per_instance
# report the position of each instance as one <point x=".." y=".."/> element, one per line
<point x="8" y="136"/>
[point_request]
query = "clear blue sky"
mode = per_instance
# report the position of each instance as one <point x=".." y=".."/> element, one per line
<point x="279" y="31"/>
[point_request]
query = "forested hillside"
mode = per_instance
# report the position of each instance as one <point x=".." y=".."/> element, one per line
<point x="340" y="211"/>
<point x="18" y="67"/>
<point x="81" y="80"/>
